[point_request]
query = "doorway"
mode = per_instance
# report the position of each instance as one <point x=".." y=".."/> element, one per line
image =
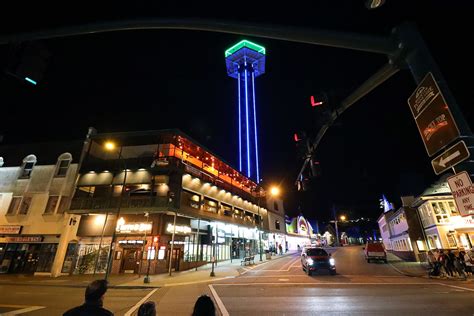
<point x="174" y="258"/>
<point x="130" y="262"/>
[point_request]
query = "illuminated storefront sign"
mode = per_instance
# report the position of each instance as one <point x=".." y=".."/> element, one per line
<point x="123" y="227"/>
<point x="25" y="239"/>
<point x="179" y="229"/>
<point x="10" y="229"/>
<point x="131" y="242"/>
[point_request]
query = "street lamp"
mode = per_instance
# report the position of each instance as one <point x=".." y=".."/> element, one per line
<point x="150" y="253"/>
<point x="342" y="218"/>
<point x="111" y="146"/>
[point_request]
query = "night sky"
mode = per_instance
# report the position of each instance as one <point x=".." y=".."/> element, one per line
<point x="156" y="79"/>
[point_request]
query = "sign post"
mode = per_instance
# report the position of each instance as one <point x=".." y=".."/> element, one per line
<point x="463" y="193"/>
<point x="451" y="157"/>
<point x="432" y="115"/>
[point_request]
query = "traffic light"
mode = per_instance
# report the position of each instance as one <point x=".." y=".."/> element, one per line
<point x="319" y="99"/>
<point x="300" y="139"/>
<point x="28" y="61"/>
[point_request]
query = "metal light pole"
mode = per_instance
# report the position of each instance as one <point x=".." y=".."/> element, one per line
<point x="114" y="234"/>
<point x="147" y="278"/>
<point x="335" y="225"/>
<point x="172" y="243"/>
<point x="100" y="242"/>
<point x="260" y="229"/>
<point x="213" y="255"/>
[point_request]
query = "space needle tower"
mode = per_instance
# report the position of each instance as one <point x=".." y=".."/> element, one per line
<point x="245" y="61"/>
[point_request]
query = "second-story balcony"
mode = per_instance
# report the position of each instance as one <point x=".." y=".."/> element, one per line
<point x="133" y="202"/>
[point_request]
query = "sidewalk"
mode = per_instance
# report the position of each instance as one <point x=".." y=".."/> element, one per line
<point x="223" y="270"/>
<point x="416" y="269"/>
<point x="408" y="268"/>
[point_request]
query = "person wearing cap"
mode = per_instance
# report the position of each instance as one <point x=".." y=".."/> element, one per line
<point x="94" y="300"/>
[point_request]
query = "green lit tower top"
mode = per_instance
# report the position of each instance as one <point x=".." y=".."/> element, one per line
<point x="245" y="61"/>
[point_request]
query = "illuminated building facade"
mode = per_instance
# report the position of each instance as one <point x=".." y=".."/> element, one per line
<point x="245" y="61"/>
<point x="153" y="176"/>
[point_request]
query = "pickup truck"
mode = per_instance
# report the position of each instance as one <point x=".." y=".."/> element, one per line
<point x="375" y="251"/>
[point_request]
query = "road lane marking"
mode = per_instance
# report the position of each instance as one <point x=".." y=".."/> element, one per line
<point x="327" y="283"/>
<point x="292" y="262"/>
<point x="23" y="310"/>
<point x="283" y="279"/>
<point x="457" y="287"/>
<point x="136" y="306"/>
<point x="196" y="282"/>
<point x="218" y="300"/>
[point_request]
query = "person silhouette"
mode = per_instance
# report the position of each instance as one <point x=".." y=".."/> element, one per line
<point x="204" y="307"/>
<point x="147" y="309"/>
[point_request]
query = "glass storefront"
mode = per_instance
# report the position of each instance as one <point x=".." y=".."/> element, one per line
<point x="89" y="259"/>
<point x="27" y="258"/>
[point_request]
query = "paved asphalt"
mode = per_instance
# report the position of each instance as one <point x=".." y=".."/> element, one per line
<point x="278" y="287"/>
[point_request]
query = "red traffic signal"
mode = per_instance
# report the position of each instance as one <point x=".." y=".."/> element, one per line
<point x="299" y="136"/>
<point x="316" y="101"/>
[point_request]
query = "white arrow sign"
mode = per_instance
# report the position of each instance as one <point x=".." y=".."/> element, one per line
<point x="442" y="162"/>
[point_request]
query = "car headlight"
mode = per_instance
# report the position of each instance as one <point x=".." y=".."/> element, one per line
<point x="309" y="261"/>
<point x="332" y="261"/>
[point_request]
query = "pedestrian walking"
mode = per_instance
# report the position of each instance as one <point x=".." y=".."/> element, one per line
<point x="204" y="307"/>
<point x="459" y="266"/>
<point x="449" y="263"/>
<point x="281" y="249"/>
<point x="433" y="267"/>
<point x="468" y="263"/>
<point x="147" y="309"/>
<point x="94" y="300"/>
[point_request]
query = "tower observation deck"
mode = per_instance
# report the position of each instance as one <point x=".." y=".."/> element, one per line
<point x="245" y="61"/>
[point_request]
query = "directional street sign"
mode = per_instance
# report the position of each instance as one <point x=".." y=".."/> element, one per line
<point x="451" y="157"/>
<point x="463" y="193"/>
<point x="432" y="115"/>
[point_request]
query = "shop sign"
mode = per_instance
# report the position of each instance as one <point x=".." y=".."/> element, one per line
<point x="179" y="229"/>
<point x="177" y="242"/>
<point x="131" y="242"/>
<point x="463" y="222"/>
<point x="462" y="190"/>
<point x="10" y="229"/>
<point x="134" y="228"/>
<point x="24" y="239"/>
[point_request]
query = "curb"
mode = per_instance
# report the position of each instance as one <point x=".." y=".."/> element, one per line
<point x="129" y="287"/>
<point x="405" y="273"/>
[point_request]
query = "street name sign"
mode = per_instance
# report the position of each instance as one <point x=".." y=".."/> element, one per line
<point x="463" y="193"/>
<point x="451" y="157"/>
<point x="432" y="116"/>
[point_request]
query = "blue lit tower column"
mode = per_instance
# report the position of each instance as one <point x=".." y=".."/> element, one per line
<point x="245" y="61"/>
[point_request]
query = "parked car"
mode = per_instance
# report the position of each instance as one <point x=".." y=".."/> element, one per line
<point x="315" y="259"/>
<point x="375" y="251"/>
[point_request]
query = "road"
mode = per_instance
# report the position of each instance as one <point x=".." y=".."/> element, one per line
<point x="278" y="287"/>
<point x="359" y="288"/>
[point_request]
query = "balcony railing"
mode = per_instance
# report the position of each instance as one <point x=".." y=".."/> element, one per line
<point x="127" y="202"/>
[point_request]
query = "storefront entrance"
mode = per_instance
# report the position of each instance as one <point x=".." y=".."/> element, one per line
<point x="20" y="258"/>
<point x="174" y="258"/>
<point x="131" y="261"/>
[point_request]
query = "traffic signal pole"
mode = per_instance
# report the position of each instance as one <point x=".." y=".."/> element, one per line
<point x="420" y="62"/>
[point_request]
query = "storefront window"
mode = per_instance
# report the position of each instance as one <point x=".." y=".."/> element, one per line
<point x="87" y="258"/>
<point x="69" y="258"/>
<point x="452" y="208"/>
<point x="440" y="212"/>
<point x="227" y="210"/>
<point x="238" y="213"/>
<point x="210" y="205"/>
<point x="451" y="240"/>
<point x="46" y="257"/>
